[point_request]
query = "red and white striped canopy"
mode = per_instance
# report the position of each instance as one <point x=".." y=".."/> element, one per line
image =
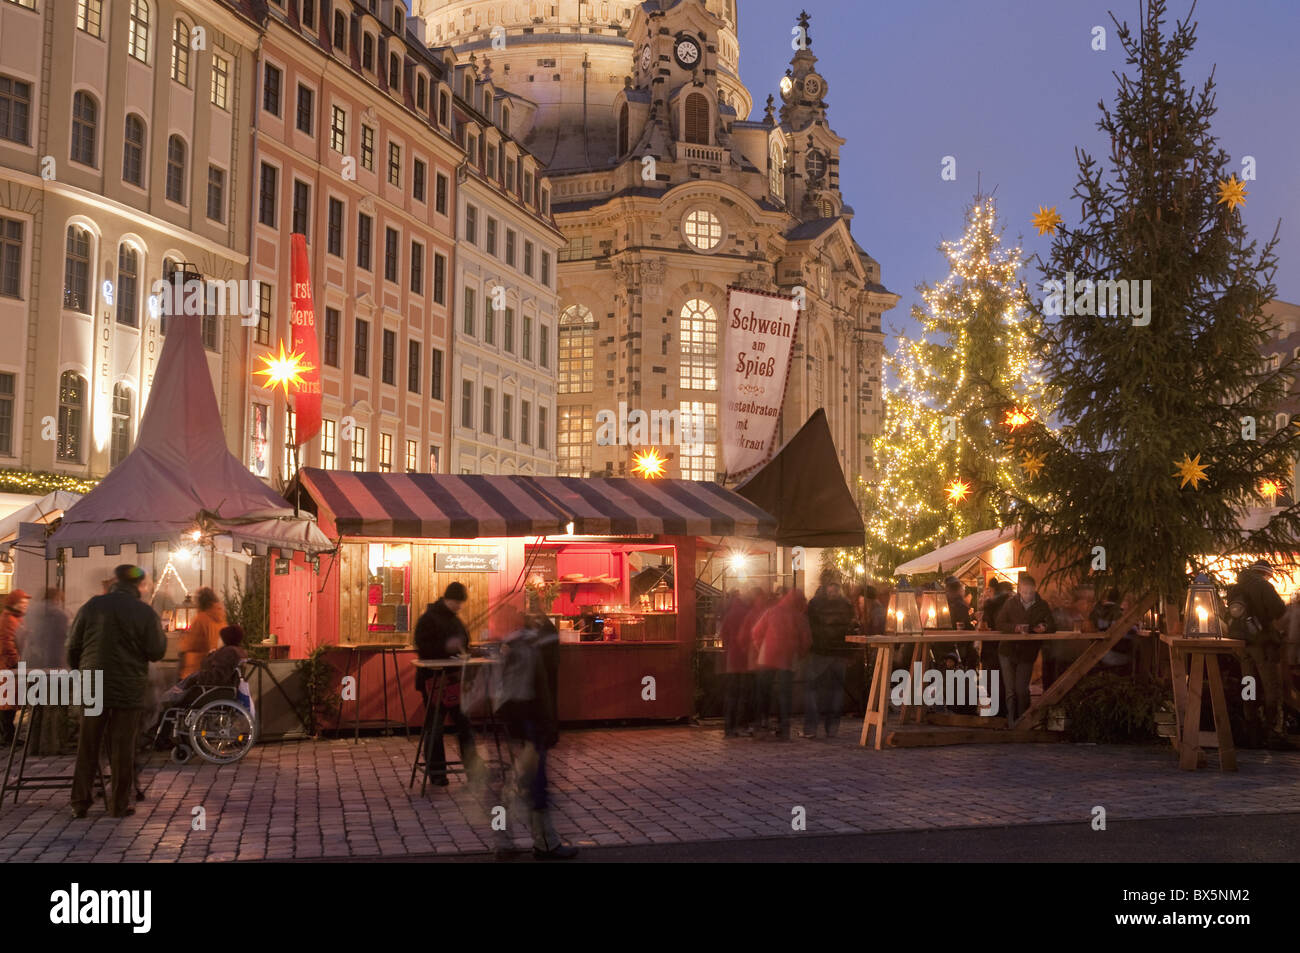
<point x="445" y="506"/>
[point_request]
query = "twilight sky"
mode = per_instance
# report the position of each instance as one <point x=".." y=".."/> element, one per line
<point x="1010" y="87"/>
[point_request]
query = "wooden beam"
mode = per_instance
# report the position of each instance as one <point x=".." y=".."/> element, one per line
<point x="1084" y="663"/>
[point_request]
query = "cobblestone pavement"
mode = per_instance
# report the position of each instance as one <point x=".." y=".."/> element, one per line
<point x="628" y="786"/>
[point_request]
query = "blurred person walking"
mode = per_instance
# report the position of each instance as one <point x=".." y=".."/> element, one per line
<point x="830" y="617"/>
<point x="11" y="617"/>
<point x="738" y="674"/>
<point x="204" y="634"/>
<point x="45" y="646"/>
<point x="783" y="638"/>
<point x="1263" y="653"/>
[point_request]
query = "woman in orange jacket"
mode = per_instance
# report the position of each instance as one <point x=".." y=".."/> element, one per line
<point x="204" y="633"/>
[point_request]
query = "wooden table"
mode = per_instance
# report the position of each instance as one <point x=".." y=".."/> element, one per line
<point x="389" y="650"/>
<point x="433" y="713"/>
<point x="1190" y="660"/>
<point x="878" y="694"/>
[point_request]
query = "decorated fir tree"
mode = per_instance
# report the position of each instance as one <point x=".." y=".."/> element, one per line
<point x="942" y="461"/>
<point x="1153" y="334"/>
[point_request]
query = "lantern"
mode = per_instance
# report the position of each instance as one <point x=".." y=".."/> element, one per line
<point x="1202" y="618"/>
<point x="935" y="613"/>
<point x="903" y="616"/>
<point x="661" y="596"/>
<point x="179" y="617"/>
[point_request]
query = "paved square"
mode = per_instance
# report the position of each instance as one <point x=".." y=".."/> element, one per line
<point x="628" y="786"/>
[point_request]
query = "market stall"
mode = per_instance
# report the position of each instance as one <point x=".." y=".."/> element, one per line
<point x="611" y="561"/>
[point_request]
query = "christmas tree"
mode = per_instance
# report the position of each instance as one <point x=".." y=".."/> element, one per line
<point x="1153" y="332"/>
<point x="958" y="389"/>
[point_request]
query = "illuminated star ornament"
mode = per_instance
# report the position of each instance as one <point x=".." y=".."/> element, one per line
<point x="1046" y="220"/>
<point x="1232" y="193"/>
<point x="283" y="370"/>
<point x="1016" y="418"/>
<point x="1191" y="470"/>
<point x="1033" y="464"/>
<point x="1270" y="489"/>
<point x="957" y="491"/>
<point x="649" y="464"/>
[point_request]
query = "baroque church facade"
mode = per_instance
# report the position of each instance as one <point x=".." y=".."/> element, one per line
<point x="667" y="193"/>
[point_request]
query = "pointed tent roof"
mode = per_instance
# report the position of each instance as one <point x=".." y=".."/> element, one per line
<point x="180" y="476"/>
<point x="803" y="486"/>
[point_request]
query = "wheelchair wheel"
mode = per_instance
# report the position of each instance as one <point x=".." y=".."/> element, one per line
<point x="221" y="731"/>
<point x="181" y="754"/>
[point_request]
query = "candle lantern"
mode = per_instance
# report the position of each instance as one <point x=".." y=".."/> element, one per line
<point x="935" y="613"/>
<point x="903" y="617"/>
<point x="1202" y="618"/>
<point x="179" y="618"/>
<point x="662" y="597"/>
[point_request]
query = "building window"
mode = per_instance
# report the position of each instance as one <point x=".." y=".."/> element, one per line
<point x="301" y="207"/>
<point x="72" y="407"/>
<point x="468" y="325"/>
<point x="467" y="404"/>
<point x="76" y="271"/>
<point x="361" y="349"/>
<point x="439" y="278"/>
<point x="471" y="224"/>
<point x="508" y="330"/>
<point x="127" y="292"/>
<point x="120" y="442"/>
<point x="577" y="351"/>
<point x="176" y="170"/>
<point x="394" y="73"/>
<point x="421" y="92"/>
<point x="306" y="109"/>
<point x="412" y="457"/>
<point x="15" y="110"/>
<point x="622" y="130"/>
<point x="367" y="148"/>
<point x="271" y="90"/>
<point x="388" y="360"/>
<point x="697" y="119"/>
<point x="546" y="201"/>
<point x="358" y="449"/>
<point x="90" y="17"/>
<point x="364" y="226"/>
<point x="267" y="196"/>
<point x="417" y="180"/>
<point x="699" y="460"/>
<point x="340" y="31"/>
<point x="385" y="453"/>
<point x="546" y="269"/>
<point x="138" y="34"/>
<point x="133" y="151"/>
<point x="7" y="414"/>
<point x="577" y="248"/>
<point x="210" y="318"/>
<point x="528" y="258"/>
<point x="491" y="165"/>
<point x="699" y="344"/>
<point x="334" y="228"/>
<point x="525" y="420"/>
<point x="776" y="172"/>
<point x="413" y="366"/>
<point x="265" y="299"/>
<point x="544" y="345"/>
<point x="507" y="417"/>
<point x="308" y="15"/>
<point x="444" y="108"/>
<point x="435" y="373"/>
<point x="486" y="424"/>
<point x="491" y="236"/>
<point x="216" y="194"/>
<point x="332" y="337"/>
<point x="11" y="258"/>
<point x="702" y="229"/>
<point x="489" y="321"/>
<point x="85" y="125"/>
<point x="390" y="254"/>
<point x="329" y="443"/>
<point x="526" y="345"/>
<point x="181" y="52"/>
<point x="543" y="430"/>
<point x="339" y="129"/>
<point x="220" y="81"/>
<point x="368" y="52"/>
<point x="574" y="441"/>
<point x="417" y="268"/>
<point x="440" y="194"/>
<point x="394" y="164"/>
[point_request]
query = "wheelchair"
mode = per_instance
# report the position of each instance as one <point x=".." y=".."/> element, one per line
<point x="209" y="721"/>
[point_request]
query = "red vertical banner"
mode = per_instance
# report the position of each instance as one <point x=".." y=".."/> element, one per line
<point x="306" y="396"/>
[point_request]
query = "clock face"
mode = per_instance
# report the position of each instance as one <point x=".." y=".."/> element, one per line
<point x="812" y="86"/>
<point x="687" y="52"/>
<point x="816" y="163"/>
<point x="645" y="56"/>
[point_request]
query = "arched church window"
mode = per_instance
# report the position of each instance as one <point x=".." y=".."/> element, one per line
<point x="776" y="172"/>
<point x="623" y="130"/>
<point x="699" y="345"/>
<point x="577" y="343"/>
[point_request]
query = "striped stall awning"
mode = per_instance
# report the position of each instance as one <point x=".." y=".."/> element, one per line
<point x="445" y="506"/>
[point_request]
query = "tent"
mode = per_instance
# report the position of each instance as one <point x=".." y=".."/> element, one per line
<point x="180" y="477"/>
<point x="803" y="487"/>
<point x="45" y="510"/>
<point x="955" y="556"/>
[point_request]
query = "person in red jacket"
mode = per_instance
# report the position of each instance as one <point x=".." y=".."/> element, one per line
<point x="783" y="638"/>
<point x="11" y="618"/>
<point x="737" y="678"/>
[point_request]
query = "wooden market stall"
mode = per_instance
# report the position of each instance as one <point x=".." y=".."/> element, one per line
<point x="612" y="560"/>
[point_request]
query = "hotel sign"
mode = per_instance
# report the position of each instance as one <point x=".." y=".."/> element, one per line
<point x="467" y="562"/>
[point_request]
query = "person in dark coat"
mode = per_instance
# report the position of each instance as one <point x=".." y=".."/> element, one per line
<point x="1000" y="591"/>
<point x="117" y="634"/>
<point x="222" y="666"/>
<point x="1263" y="652"/>
<point x="439" y="634"/>
<point x="1026" y="611"/>
<point x="830" y="617"/>
<point x="737" y="676"/>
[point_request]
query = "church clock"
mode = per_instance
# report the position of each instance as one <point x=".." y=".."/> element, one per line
<point x="687" y="52"/>
<point x="645" y="57"/>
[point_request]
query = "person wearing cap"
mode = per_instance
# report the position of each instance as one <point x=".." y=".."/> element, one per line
<point x="117" y="634"/>
<point x="221" y="666"/>
<point x="439" y="634"/>
<point x="1263" y="652"/>
<point x="11" y="617"/>
<point x="1026" y="611"/>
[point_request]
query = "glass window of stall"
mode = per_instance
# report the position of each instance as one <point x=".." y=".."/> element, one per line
<point x="388" y="593"/>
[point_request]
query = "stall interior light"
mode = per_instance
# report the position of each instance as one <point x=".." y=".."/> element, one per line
<point x="738" y="562"/>
<point x="568" y="529"/>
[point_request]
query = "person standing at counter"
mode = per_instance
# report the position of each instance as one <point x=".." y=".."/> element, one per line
<point x="737" y="675"/>
<point x="439" y="634"/>
<point x="830" y="617"/>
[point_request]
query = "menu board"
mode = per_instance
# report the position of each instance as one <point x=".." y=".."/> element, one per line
<point x="468" y="562"/>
